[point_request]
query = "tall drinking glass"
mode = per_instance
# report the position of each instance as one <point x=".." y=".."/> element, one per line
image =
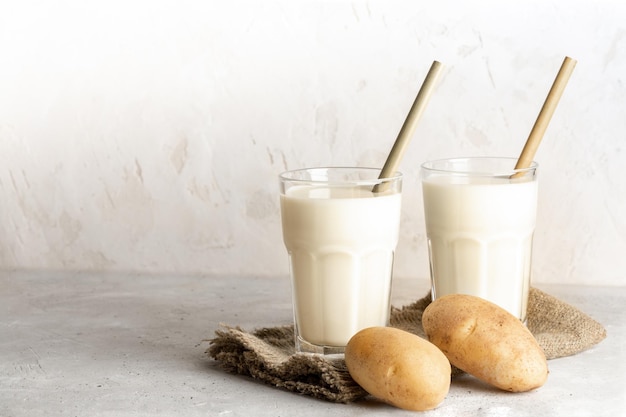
<point x="480" y="218"/>
<point x="340" y="236"/>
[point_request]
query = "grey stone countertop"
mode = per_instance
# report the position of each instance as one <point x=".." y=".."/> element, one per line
<point x="116" y="344"/>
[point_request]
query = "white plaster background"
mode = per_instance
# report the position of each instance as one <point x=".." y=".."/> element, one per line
<point x="147" y="135"/>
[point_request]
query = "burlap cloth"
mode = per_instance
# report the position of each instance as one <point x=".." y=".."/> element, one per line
<point x="268" y="354"/>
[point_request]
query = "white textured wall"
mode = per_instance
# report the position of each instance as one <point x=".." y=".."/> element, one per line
<point x="148" y="135"/>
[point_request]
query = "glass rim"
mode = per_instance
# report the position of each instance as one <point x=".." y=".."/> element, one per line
<point x="430" y="166"/>
<point x="292" y="176"/>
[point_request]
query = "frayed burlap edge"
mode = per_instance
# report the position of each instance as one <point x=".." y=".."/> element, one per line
<point x="561" y="329"/>
<point x="268" y="354"/>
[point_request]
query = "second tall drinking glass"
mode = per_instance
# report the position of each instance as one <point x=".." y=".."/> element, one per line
<point x="480" y="218"/>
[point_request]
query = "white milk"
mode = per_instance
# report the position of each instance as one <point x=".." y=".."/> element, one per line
<point x="341" y="243"/>
<point x="480" y="237"/>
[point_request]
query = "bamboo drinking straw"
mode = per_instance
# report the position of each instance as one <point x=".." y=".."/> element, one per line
<point x="541" y="124"/>
<point x="406" y="133"/>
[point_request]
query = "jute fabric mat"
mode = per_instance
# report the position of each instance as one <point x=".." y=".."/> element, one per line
<point x="268" y="354"/>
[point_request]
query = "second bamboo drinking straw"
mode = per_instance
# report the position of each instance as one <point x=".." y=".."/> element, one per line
<point x="541" y="124"/>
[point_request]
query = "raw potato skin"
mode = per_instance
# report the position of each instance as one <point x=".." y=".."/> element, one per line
<point x="399" y="367"/>
<point x="486" y="341"/>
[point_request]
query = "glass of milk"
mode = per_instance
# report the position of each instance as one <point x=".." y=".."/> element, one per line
<point x="480" y="218"/>
<point x="340" y="237"/>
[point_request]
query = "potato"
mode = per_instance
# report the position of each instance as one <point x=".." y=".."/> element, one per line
<point x="398" y="367"/>
<point x="486" y="341"/>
